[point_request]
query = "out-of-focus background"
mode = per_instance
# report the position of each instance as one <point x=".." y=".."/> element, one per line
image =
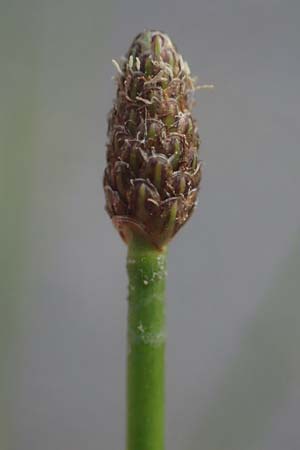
<point x="234" y="270"/>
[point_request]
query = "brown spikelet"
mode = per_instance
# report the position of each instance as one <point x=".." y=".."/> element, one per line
<point x="153" y="171"/>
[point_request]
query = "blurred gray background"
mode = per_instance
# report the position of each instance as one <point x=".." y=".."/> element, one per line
<point x="233" y="365"/>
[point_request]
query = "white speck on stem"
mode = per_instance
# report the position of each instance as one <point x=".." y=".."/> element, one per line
<point x="131" y="261"/>
<point x="141" y="328"/>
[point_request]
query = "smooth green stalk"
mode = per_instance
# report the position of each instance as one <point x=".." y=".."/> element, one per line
<point x="146" y="347"/>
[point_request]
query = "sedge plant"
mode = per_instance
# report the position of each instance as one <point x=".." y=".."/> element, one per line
<point x="151" y="182"/>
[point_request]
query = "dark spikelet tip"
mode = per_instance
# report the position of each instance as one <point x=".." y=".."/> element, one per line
<point x="153" y="171"/>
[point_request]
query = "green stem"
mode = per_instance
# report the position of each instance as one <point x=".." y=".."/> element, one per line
<point x="146" y="346"/>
